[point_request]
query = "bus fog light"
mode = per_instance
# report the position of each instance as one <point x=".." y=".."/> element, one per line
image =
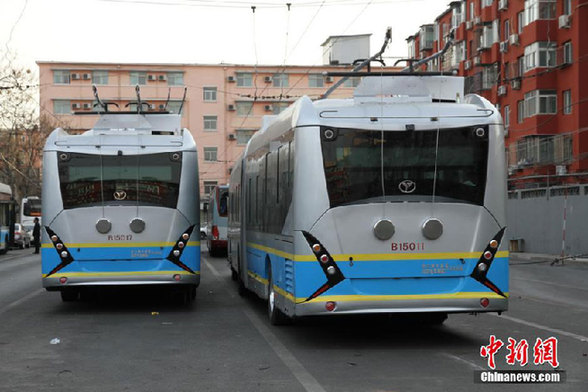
<point x="316" y="248"/>
<point x="63" y="280"/>
<point x="484" y="302"/>
<point x="181" y="244"/>
<point x="59" y="246"/>
<point x="331" y="270"/>
<point x="494" y="244"/>
<point x="324" y="259"/>
<point x="64" y="254"/>
<point x="487" y="255"/>
<point x="185" y="236"/>
<point x="176" y="253"/>
<point x="482" y="267"/>
<point x="177" y="277"/>
<point x="54" y="238"/>
<point x="330" y="306"/>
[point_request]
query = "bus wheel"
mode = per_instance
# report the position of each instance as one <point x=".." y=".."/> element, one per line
<point x="69" y="295"/>
<point x="276" y="316"/>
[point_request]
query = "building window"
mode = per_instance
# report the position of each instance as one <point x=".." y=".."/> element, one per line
<point x="458" y="54"/>
<point x="563" y="149"/>
<point x="100" y="77"/>
<point x="280" y="79"/>
<point x="506" y="117"/>
<point x="539" y="10"/>
<point x="243" y="135"/>
<point x="520" y="111"/>
<point x="62" y="106"/>
<point x="427" y="34"/>
<point x="210" y="154"/>
<point x="540" y="54"/>
<point x="506" y="29"/>
<point x="209" y="186"/>
<point x="535" y="149"/>
<point x="244" y="108"/>
<point x="352" y="82"/>
<point x="489" y="76"/>
<point x="175" y="78"/>
<point x="315" y="80"/>
<point x="567" y="7"/>
<point x="210" y="123"/>
<point x="209" y="94"/>
<point x="244" y="79"/>
<point x="520" y="21"/>
<point x="487" y="3"/>
<point x="138" y="78"/>
<point x="279" y="107"/>
<point x="540" y="102"/>
<point x="567" y="102"/>
<point x="472" y="12"/>
<point x="174" y="107"/>
<point x="521" y="66"/>
<point x="567" y="52"/>
<point x="61" y="76"/>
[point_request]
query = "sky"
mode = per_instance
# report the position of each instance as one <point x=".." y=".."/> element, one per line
<point x="202" y="31"/>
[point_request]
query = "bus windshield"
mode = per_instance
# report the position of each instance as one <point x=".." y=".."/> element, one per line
<point x="32" y="207"/>
<point x="223" y="198"/>
<point x="448" y="165"/>
<point x="89" y="180"/>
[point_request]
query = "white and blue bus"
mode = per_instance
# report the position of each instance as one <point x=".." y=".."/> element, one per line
<point x="217" y="220"/>
<point x="120" y="206"/>
<point x="392" y="201"/>
<point x="7" y="212"/>
<point x="30" y="208"/>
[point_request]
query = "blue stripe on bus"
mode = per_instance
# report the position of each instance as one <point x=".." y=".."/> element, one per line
<point x="377" y="277"/>
<point x="121" y="259"/>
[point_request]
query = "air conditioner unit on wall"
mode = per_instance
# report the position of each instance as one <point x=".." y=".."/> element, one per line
<point x="514" y="39"/>
<point x="232" y="136"/>
<point x="75" y="106"/>
<point x="467" y="65"/>
<point x="501" y="90"/>
<point x="469" y="25"/>
<point x="231" y="107"/>
<point x="231" y="79"/>
<point x="75" y="76"/>
<point x="267" y="79"/>
<point x="268" y="108"/>
<point x="162" y="77"/>
<point x="87" y="106"/>
<point x="477" y="20"/>
<point x="516" y="84"/>
<point x="564" y="21"/>
<point x="502" y="5"/>
<point x="150" y="77"/>
<point x="329" y="79"/>
<point x="86" y="76"/>
<point x="477" y="60"/>
<point x="504" y="46"/>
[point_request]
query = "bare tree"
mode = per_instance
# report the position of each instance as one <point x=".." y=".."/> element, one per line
<point x="22" y="130"/>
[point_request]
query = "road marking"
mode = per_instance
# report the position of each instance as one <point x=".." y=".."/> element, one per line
<point x="212" y="269"/>
<point x="459" y="359"/>
<point x="551" y="284"/>
<point x="309" y="383"/>
<point x="20" y="301"/>
<point x="543" y="327"/>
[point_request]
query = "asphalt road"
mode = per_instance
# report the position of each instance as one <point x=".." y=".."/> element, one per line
<point x="141" y="341"/>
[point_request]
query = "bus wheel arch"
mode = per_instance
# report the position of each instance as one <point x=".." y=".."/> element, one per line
<point x="275" y="315"/>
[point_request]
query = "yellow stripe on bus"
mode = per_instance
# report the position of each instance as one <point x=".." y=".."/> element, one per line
<point x="378" y="256"/>
<point x="257" y="277"/>
<point x="121" y="273"/>
<point x="122" y="245"/>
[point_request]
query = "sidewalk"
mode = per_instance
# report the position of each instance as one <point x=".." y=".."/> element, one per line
<point x="544" y="257"/>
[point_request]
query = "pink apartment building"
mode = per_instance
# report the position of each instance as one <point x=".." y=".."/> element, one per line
<point x="224" y="104"/>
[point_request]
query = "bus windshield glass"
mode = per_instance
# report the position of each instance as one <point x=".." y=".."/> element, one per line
<point x="223" y="201"/>
<point x="446" y="165"/>
<point x="32" y="207"/>
<point x="88" y="180"/>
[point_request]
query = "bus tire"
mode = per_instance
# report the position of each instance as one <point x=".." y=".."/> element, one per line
<point x="69" y="295"/>
<point x="276" y="316"/>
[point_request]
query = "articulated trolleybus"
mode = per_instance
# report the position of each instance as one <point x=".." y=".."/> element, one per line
<point x="392" y="201"/>
<point x="120" y="205"/>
